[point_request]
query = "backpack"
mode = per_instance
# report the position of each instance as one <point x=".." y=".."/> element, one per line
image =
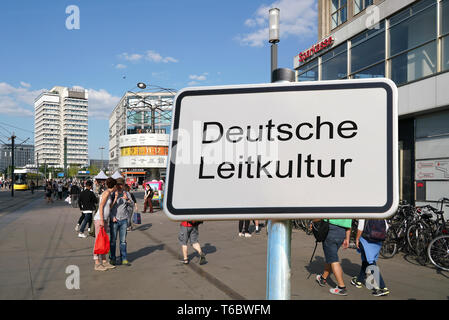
<point x="320" y="230"/>
<point x="374" y="230"/>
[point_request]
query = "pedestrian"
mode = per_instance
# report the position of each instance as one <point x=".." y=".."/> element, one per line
<point x="131" y="210"/>
<point x="75" y="194"/>
<point x="32" y="185"/>
<point x="48" y="192"/>
<point x="87" y="204"/>
<point x="244" y="228"/>
<point x="147" y="199"/>
<point x="101" y="219"/>
<point x="369" y="250"/>
<point x="119" y="222"/>
<point x="339" y="233"/>
<point x="189" y="232"/>
<point x="256" y="224"/>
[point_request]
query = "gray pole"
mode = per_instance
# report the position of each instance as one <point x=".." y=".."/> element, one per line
<point x="279" y="235"/>
<point x="13" y="137"/>
<point x="274" y="59"/>
<point x="37" y="165"/>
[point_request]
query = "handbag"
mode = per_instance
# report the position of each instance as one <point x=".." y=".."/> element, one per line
<point x="102" y="244"/>
<point x="320" y="230"/>
<point x="137" y="218"/>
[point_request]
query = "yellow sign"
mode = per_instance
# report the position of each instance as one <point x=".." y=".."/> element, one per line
<point x="144" y="151"/>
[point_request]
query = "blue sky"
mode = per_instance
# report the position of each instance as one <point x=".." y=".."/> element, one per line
<point x="172" y="44"/>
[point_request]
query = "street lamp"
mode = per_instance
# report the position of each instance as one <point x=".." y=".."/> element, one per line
<point x="274" y="14"/>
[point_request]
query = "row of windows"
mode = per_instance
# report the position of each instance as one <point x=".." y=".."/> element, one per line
<point x="339" y="10"/>
<point x="410" y="54"/>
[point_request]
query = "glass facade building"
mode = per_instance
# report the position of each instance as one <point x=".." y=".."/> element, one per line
<point x="408" y="42"/>
<point x="404" y="47"/>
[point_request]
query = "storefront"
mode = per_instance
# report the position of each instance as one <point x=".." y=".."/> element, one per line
<point x="408" y="43"/>
<point x="143" y="156"/>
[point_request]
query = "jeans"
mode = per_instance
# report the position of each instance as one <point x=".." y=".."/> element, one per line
<point x="120" y="228"/>
<point x="362" y="275"/>
<point x="87" y="220"/>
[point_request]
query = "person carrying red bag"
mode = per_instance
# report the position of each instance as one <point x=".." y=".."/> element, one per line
<point x="101" y="219"/>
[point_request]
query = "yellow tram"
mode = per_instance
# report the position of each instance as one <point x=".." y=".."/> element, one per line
<point x="23" y="178"/>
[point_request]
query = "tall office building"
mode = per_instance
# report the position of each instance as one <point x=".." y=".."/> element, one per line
<point x="61" y="113"/>
<point x="23" y="155"/>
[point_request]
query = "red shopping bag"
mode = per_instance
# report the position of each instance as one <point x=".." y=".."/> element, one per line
<point x="102" y="244"/>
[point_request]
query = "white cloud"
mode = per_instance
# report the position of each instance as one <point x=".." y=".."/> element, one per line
<point x="133" y="57"/>
<point x="120" y="66"/>
<point x="17" y="101"/>
<point x="201" y="77"/>
<point x="297" y="18"/>
<point x="101" y="103"/>
<point x="24" y="84"/>
<point x="150" y="55"/>
<point x="156" y="57"/>
<point x="20" y="101"/>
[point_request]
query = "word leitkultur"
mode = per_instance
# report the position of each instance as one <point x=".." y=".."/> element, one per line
<point x="302" y="166"/>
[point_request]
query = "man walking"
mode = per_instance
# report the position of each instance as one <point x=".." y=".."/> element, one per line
<point x="339" y="233"/>
<point x="189" y="232"/>
<point x="119" y="222"/>
<point x="74" y="194"/>
<point x="88" y="205"/>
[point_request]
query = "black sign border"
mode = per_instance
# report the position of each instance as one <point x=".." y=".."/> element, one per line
<point x="284" y="210"/>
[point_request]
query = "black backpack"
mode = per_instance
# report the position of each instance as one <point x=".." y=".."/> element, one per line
<point x="320" y="230"/>
<point x="375" y="230"/>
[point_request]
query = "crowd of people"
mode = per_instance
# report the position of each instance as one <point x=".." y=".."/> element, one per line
<point x="5" y="184"/>
<point x="110" y="204"/>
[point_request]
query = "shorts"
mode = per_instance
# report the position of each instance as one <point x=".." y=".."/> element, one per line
<point x="188" y="233"/>
<point x="333" y="241"/>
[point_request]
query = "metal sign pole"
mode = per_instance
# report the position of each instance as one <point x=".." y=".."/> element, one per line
<point x="279" y="235"/>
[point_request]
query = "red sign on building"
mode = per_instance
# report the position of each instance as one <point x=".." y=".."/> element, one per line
<point x="304" y="55"/>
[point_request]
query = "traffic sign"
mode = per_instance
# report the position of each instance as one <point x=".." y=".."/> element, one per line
<point x="323" y="149"/>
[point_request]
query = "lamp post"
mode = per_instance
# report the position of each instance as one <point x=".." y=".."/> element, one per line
<point x="279" y="231"/>
<point x="274" y="14"/>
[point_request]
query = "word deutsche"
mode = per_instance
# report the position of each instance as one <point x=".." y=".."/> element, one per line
<point x="285" y="131"/>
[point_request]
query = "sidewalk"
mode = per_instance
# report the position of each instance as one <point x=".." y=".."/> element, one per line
<point x="38" y="242"/>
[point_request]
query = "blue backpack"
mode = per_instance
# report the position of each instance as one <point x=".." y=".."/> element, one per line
<point x="375" y="230"/>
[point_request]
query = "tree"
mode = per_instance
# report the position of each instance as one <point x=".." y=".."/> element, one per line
<point x="93" y="170"/>
<point x="73" y="171"/>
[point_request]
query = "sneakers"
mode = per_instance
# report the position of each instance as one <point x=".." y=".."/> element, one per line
<point x="77" y="227"/>
<point x="321" y="281"/>
<point x="247" y="235"/>
<point x="380" y="292"/>
<point x="88" y="230"/>
<point x="81" y="235"/>
<point x="112" y="261"/>
<point x="356" y="283"/>
<point x="202" y="259"/>
<point x="338" y="291"/>
<point x="100" y="267"/>
<point x="107" y="265"/>
<point x="241" y="234"/>
<point x="126" y="263"/>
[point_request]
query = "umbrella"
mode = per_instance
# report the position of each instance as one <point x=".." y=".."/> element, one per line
<point x="116" y="175"/>
<point x="101" y="176"/>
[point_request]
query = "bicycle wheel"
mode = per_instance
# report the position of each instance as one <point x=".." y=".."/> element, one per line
<point x="422" y="242"/>
<point x="390" y="245"/>
<point x="438" y="252"/>
<point x="412" y="235"/>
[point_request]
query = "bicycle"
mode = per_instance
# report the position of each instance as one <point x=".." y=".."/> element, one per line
<point x="438" y="252"/>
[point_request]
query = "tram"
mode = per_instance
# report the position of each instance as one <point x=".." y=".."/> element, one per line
<point x="23" y="178"/>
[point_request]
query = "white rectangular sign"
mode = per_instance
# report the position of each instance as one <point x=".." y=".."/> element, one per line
<point x="323" y="149"/>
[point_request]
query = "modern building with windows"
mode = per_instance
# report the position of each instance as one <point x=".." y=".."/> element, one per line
<point x="139" y="131"/>
<point x="23" y="155"/>
<point x="406" y="41"/>
<point x="61" y="113"/>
